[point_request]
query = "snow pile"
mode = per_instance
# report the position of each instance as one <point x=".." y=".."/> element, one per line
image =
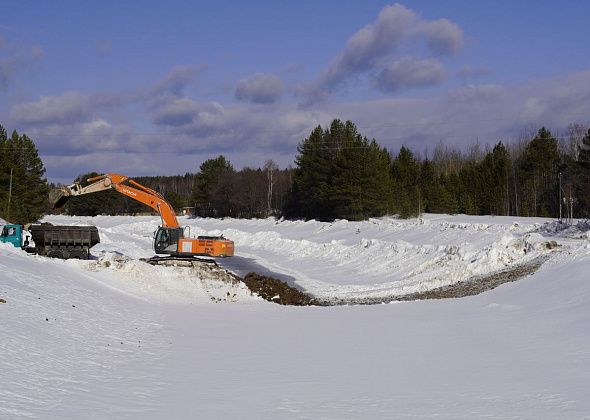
<point x="383" y="257"/>
<point x="580" y="229"/>
<point x="196" y="284"/>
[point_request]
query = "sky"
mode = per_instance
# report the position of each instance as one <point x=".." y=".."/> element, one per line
<point x="156" y="88"/>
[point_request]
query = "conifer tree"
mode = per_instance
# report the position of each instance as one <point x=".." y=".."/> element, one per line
<point x="405" y="179"/>
<point x="467" y="188"/>
<point x="212" y="190"/>
<point x="492" y="183"/>
<point x="582" y="182"/>
<point x="360" y="181"/>
<point x="309" y="197"/>
<point x="538" y="171"/>
<point x="28" y="197"/>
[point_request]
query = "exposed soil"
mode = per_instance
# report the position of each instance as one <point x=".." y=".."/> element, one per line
<point x="275" y="290"/>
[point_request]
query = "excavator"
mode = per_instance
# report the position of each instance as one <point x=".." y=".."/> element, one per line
<point x="169" y="237"/>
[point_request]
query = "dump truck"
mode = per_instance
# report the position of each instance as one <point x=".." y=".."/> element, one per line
<point x="51" y="240"/>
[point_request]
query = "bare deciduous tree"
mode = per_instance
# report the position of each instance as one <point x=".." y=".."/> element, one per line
<point x="270" y="168"/>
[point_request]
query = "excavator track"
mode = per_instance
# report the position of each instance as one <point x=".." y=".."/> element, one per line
<point x="177" y="261"/>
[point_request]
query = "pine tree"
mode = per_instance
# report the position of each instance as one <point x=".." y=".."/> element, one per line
<point x="582" y="181"/>
<point x="468" y="187"/>
<point x="212" y="191"/>
<point x="339" y="174"/>
<point x="405" y="180"/>
<point x="360" y="180"/>
<point x="492" y="182"/>
<point x="28" y="198"/>
<point x="311" y="180"/>
<point x="538" y="169"/>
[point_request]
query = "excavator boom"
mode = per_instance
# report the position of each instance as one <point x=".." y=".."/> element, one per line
<point x="137" y="192"/>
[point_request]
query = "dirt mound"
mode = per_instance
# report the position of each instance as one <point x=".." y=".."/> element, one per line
<point x="277" y="291"/>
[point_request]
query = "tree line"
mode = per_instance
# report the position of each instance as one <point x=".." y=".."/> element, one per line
<point x="339" y="173"/>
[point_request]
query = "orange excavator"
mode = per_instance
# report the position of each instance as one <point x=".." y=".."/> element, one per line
<point x="168" y="238"/>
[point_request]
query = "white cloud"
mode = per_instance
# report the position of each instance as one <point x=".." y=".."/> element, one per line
<point x="64" y="109"/>
<point x="379" y="42"/>
<point x="442" y="36"/>
<point x="178" y="78"/>
<point x="409" y="72"/>
<point x="260" y="88"/>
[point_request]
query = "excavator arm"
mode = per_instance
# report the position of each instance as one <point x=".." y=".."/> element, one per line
<point x="132" y="190"/>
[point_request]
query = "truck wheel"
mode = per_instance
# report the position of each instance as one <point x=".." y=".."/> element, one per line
<point x="55" y="254"/>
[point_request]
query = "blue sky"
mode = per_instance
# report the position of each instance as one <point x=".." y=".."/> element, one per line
<point x="146" y="88"/>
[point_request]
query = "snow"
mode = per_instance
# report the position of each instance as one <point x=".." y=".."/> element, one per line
<point x="117" y="338"/>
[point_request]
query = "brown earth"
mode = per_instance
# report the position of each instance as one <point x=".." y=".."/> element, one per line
<point x="277" y="291"/>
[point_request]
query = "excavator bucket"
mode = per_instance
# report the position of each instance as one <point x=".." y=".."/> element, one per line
<point x="58" y="198"/>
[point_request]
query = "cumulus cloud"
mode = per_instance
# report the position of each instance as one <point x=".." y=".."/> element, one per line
<point x="260" y="88"/>
<point x="64" y="109"/>
<point x="177" y="112"/>
<point x="74" y="107"/>
<point x="378" y="42"/>
<point x="442" y="36"/>
<point x="369" y="44"/>
<point x="189" y="116"/>
<point x="178" y="78"/>
<point x="409" y="72"/>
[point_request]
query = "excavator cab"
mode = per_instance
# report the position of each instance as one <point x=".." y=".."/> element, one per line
<point x="166" y="240"/>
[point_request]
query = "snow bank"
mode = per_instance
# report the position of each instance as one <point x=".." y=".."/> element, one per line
<point x="193" y="285"/>
<point x="375" y="258"/>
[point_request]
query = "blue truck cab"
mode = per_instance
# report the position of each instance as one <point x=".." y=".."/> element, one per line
<point x="12" y="234"/>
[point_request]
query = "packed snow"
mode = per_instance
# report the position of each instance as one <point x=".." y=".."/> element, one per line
<point x="114" y="337"/>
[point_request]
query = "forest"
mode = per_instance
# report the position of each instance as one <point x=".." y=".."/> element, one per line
<point x="340" y="174"/>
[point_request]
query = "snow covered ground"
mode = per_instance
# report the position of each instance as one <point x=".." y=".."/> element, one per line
<point x="116" y="338"/>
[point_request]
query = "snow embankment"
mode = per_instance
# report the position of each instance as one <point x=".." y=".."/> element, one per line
<point x="373" y="259"/>
<point x="385" y="257"/>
